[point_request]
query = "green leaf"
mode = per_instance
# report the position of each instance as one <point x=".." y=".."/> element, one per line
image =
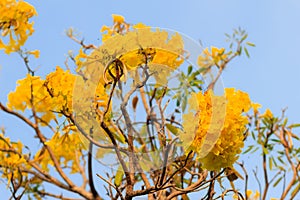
<point x="184" y="103"/>
<point x="270" y="163"/>
<point x="244" y="37"/>
<point x="280" y="160"/>
<point x="275" y="140"/>
<point x="190" y="68"/>
<point x="250" y="147"/>
<point x="119" y="176"/>
<point x="120" y="137"/>
<point x="173" y="129"/>
<point x="143" y="130"/>
<point x="250" y="44"/>
<point x="294" y="126"/>
<point x="265" y="151"/>
<point x="156" y="158"/>
<point x="274" y="161"/>
<point x="255" y="149"/>
<point x="295" y="190"/>
<point x="246" y="51"/>
<point x="253" y="135"/>
<point x="198" y="82"/>
<point x="277" y="181"/>
<point x="235" y="31"/>
<point x="178" y="102"/>
<point x="285" y="121"/>
<point x="201" y="70"/>
<point x="240" y="51"/>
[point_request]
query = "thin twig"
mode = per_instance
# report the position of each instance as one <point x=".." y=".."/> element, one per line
<point x="112" y="185"/>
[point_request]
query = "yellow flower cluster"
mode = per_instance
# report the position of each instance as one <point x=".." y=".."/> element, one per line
<point x="46" y="96"/>
<point x="119" y="27"/>
<point x="60" y="85"/>
<point x="66" y="147"/>
<point x="162" y="51"/>
<point x="14" y="23"/>
<point x="220" y="133"/>
<point x="10" y="158"/>
<point x="79" y="59"/>
<point x="29" y="93"/>
<point x="268" y="114"/>
<point x="49" y="96"/>
<point x="213" y="57"/>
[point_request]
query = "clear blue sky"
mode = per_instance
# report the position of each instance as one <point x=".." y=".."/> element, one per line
<point x="271" y="76"/>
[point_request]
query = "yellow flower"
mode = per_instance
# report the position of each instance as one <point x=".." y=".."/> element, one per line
<point x="60" y="85"/>
<point x="119" y="27"/>
<point x="118" y="18"/>
<point x="47" y="96"/>
<point x="252" y="196"/>
<point x="256" y="195"/>
<point x="249" y="193"/>
<point x="208" y="59"/>
<point x="35" y="53"/>
<point x="161" y="51"/>
<point x="79" y="59"/>
<point x="268" y="114"/>
<point x="140" y="25"/>
<point x="255" y="107"/>
<point x="66" y="146"/>
<point x="14" y="23"/>
<point x="12" y="159"/>
<point x="218" y="136"/>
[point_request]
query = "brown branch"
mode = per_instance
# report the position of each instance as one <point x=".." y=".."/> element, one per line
<point x="212" y="84"/>
<point x="43" y="193"/>
<point x="89" y="138"/>
<point x="266" y="178"/>
<point x="179" y="169"/>
<point x="190" y="188"/>
<point x="81" y="170"/>
<point x="294" y="169"/>
<point x="42" y="139"/>
<point x="223" y="66"/>
<point x="89" y="46"/>
<point x="49" y="150"/>
<point x="211" y="190"/>
<point x="90" y="174"/>
<point x="149" y="116"/>
<point x="246" y="178"/>
<point x="223" y="195"/>
<point x="112" y="185"/>
<point x="10" y="111"/>
<point x="132" y="159"/>
<point x="166" y="156"/>
<point x="44" y="175"/>
<point x="116" y="147"/>
<point x="26" y="62"/>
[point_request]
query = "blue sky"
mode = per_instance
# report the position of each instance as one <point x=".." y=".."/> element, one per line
<point x="271" y="76"/>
